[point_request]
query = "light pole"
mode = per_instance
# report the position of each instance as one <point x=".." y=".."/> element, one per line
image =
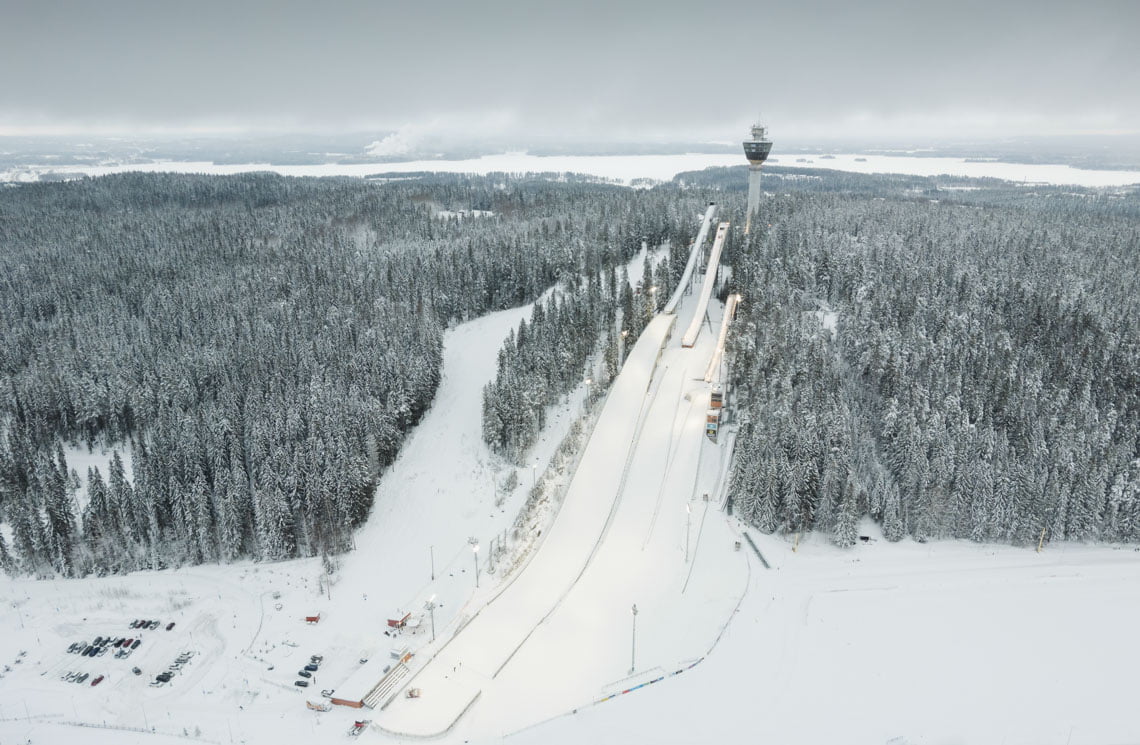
<point x="475" y="552"/>
<point x="633" y="645"/>
<point x="586" y="400"/>
<point x="430" y="606"/>
<point x="621" y="356"/>
<point x="533" y="467"/>
<point x="431" y="549"/>
<point x="688" y="520"/>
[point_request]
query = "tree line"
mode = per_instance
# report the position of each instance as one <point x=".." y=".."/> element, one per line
<point x="599" y="318"/>
<point x="983" y="378"/>
<point x="260" y="344"/>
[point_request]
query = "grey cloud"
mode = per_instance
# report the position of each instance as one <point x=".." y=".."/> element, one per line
<point x="585" y="68"/>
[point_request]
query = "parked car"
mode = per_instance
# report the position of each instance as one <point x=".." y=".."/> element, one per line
<point x="97" y="681"/>
<point x="165" y="677"/>
<point x="301" y="683"/>
<point x="81" y="678"/>
<point x="152" y="625"/>
<point x="136" y="671"/>
<point x="136" y="644"/>
<point x="311" y="668"/>
<point x="73" y="648"/>
<point x="126" y="642"/>
<point x="98" y="641"/>
<point x="170" y="626"/>
<point x="304" y="673"/>
<point x="135" y="623"/>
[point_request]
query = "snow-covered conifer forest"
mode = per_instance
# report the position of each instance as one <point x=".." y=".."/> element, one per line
<point x="261" y="345"/>
<point x="955" y="358"/>
<point x="958" y="362"/>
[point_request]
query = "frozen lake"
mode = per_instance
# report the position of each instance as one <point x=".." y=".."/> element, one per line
<point x="625" y="168"/>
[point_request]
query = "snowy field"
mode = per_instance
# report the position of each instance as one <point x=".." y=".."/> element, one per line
<point x="625" y="168"/>
<point x="949" y="642"/>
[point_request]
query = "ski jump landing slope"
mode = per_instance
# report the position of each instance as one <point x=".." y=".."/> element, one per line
<point x="458" y="674"/>
<point x="690" y="337"/>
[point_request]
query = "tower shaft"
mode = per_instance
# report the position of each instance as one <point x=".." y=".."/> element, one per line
<point x="753" y="196"/>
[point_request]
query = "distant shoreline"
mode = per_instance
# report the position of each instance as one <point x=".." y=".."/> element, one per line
<point x="619" y="168"/>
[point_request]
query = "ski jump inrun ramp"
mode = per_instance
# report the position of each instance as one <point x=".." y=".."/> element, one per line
<point x="698" y="244"/>
<point x="690" y="337"/>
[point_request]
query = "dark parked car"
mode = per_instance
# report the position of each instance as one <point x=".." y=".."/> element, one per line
<point x="98" y="641"/>
<point x="73" y="648"/>
<point x="97" y="681"/>
<point x="304" y="673"/>
<point x="136" y="644"/>
<point x="311" y="668"/>
<point x="165" y="677"/>
<point x="136" y="671"/>
<point x="301" y="683"/>
<point x="127" y="642"/>
<point x="170" y="625"/>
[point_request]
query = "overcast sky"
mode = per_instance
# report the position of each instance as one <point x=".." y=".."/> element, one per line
<point x="606" y="69"/>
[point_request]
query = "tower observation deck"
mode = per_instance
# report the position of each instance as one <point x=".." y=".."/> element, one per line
<point x="756" y="150"/>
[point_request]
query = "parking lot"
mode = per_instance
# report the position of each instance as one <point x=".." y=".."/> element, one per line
<point x="115" y="652"/>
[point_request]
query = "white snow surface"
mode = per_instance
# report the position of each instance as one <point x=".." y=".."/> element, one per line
<point x="947" y="642"/>
<point x="623" y="168"/>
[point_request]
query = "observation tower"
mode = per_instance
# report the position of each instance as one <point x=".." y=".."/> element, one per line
<point x="756" y="150"/>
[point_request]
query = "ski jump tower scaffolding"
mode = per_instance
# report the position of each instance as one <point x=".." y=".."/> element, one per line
<point x="756" y="150"/>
